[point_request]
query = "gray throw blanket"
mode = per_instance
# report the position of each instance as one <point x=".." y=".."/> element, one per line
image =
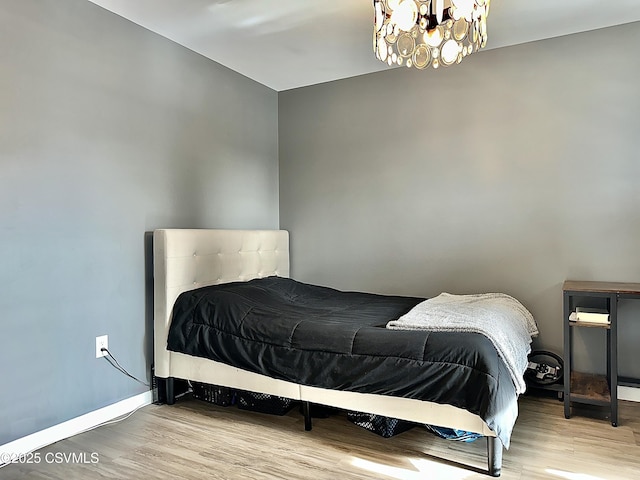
<point x="497" y="316"/>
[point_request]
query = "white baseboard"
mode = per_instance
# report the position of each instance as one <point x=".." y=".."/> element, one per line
<point x="76" y="425"/>
<point x="631" y="394"/>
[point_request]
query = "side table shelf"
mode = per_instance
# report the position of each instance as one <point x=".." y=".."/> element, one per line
<point x="590" y="388"/>
<point x="588" y="325"/>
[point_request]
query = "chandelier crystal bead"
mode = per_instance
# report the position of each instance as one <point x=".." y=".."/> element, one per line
<point x="419" y="33"/>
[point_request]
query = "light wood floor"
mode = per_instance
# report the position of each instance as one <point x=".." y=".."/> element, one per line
<point x="195" y="440"/>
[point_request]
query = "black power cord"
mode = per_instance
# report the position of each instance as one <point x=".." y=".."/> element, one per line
<point x="119" y="367"/>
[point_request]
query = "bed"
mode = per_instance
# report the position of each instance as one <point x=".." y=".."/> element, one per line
<point x="227" y="262"/>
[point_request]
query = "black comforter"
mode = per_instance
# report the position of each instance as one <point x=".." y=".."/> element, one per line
<point x="326" y="338"/>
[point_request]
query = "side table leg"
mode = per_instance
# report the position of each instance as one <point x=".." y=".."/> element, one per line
<point x="567" y="354"/>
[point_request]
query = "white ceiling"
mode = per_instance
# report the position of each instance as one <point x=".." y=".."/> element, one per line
<point x="286" y="44"/>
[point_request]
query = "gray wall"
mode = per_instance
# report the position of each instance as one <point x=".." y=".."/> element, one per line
<point x="511" y="172"/>
<point x="107" y="131"/>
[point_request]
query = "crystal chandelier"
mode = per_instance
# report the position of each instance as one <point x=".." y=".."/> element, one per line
<point x="419" y="33"/>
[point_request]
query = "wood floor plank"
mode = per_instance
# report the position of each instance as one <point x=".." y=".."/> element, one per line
<point x="196" y="440"/>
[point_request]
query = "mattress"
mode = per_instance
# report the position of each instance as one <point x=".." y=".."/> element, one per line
<point x="326" y="338"/>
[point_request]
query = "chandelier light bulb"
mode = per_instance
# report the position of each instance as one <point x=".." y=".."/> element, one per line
<point x="439" y="10"/>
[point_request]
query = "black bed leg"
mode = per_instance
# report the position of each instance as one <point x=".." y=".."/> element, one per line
<point x="494" y="456"/>
<point x="171" y="396"/>
<point x="306" y="411"/>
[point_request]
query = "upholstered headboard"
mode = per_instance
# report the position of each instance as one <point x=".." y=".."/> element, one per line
<point x="185" y="259"/>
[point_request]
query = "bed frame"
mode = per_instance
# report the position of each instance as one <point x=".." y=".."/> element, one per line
<point x="185" y="259"/>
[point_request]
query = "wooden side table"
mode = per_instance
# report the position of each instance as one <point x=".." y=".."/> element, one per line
<point x="588" y="388"/>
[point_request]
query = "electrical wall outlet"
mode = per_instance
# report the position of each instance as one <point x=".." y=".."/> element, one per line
<point x="101" y="342"/>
